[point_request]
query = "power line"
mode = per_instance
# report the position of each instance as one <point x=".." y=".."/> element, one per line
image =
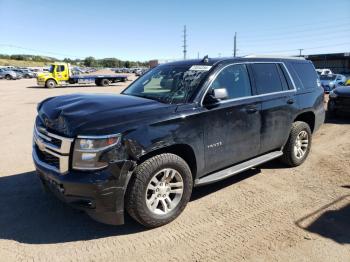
<point x="283" y="28"/>
<point x="310" y="35"/>
<point x="39" y="51"/>
<point x="299" y="32"/>
<point x="307" y="48"/>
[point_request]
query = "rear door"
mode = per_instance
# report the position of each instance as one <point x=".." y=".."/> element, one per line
<point x="278" y="104"/>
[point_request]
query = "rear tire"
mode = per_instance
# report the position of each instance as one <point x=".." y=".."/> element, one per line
<point x="331" y="111"/>
<point x="50" y="83"/>
<point x="298" y="145"/>
<point x="8" y="77"/>
<point x="104" y="82"/>
<point x="159" y="190"/>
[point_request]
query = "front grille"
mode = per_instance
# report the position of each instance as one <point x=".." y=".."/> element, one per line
<point x="56" y="142"/>
<point x="48" y="158"/>
<point x="51" y="150"/>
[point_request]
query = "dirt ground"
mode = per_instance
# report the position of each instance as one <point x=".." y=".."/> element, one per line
<point x="270" y="213"/>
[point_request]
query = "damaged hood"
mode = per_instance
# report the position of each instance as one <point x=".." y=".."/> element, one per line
<point x="98" y="114"/>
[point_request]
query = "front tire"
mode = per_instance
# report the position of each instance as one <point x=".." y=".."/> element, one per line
<point x="159" y="190"/>
<point x="50" y="83"/>
<point x="8" y="77"/>
<point x="298" y="145"/>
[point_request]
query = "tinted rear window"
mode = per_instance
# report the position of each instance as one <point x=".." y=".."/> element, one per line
<point x="267" y="78"/>
<point x="307" y="74"/>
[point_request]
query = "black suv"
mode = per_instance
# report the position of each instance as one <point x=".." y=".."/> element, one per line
<point x="180" y="125"/>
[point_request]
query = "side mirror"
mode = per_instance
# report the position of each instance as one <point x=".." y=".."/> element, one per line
<point x="215" y="95"/>
<point x="220" y="94"/>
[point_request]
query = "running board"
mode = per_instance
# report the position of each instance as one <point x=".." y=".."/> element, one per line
<point x="233" y="170"/>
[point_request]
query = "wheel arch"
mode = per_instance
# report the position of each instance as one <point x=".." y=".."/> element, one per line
<point x="184" y="151"/>
<point x="51" y="78"/>
<point x="307" y="117"/>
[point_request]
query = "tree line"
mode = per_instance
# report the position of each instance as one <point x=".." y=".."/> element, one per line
<point x="88" y="61"/>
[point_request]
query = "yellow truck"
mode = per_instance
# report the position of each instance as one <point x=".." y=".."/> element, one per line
<point x="60" y="74"/>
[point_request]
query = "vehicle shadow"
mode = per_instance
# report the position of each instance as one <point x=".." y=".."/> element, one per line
<point x="202" y="191"/>
<point x="340" y="118"/>
<point x="29" y="215"/>
<point x="333" y="224"/>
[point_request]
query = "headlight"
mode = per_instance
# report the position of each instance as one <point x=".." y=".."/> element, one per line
<point x="332" y="94"/>
<point x="89" y="149"/>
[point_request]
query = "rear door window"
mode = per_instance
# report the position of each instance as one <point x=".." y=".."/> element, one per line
<point x="267" y="78"/>
<point x="307" y="74"/>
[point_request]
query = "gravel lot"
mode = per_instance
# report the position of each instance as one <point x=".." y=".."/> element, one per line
<point x="271" y="213"/>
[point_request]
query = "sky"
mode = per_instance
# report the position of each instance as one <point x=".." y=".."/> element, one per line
<point x="144" y="30"/>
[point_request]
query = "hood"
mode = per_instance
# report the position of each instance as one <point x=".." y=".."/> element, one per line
<point x="98" y="114"/>
<point x="342" y="91"/>
<point x="44" y="75"/>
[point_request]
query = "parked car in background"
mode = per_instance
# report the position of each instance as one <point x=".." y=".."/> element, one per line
<point x="324" y="71"/>
<point x="329" y="82"/>
<point x="9" y="74"/>
<point x="26" y="73"/>
<point x="140" y="72"/>
<point x="339" y="100"/>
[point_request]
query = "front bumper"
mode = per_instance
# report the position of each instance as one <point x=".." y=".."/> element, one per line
<point x="99" y="193"/>
<point x="40" y="82"/>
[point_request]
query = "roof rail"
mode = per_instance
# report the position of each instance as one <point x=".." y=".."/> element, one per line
<point x="273" y="56"/>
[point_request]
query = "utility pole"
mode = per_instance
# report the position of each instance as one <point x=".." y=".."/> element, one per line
<point x="300" y="49"/>
<point x="198" y="55"/>
<point x="184" y="42"/>
<point x="235" y="44"/>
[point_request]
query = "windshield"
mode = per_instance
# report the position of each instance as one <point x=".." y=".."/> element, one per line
<point x="52" y="67"/>
<point x="168" y="84"/>
<point x="327" y="77"/>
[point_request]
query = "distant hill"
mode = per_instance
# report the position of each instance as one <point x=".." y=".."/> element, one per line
<point x="21" y="63"/>
<point x="37" y="60"/>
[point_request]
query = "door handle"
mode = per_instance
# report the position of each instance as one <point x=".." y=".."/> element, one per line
<point x="251" y="109"/>
<point x="290" y="101"/>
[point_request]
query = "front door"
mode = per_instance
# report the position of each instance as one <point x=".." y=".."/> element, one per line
<point x="232" y="126"/>
<point x="61" y="73"/>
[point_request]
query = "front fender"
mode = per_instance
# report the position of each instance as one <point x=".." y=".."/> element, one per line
<point x="179" y="131"/>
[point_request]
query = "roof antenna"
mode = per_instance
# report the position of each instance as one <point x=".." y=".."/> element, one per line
<point x="205" y="59"/>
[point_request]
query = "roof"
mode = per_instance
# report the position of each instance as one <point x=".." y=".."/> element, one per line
<point x="213" y="61"/>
